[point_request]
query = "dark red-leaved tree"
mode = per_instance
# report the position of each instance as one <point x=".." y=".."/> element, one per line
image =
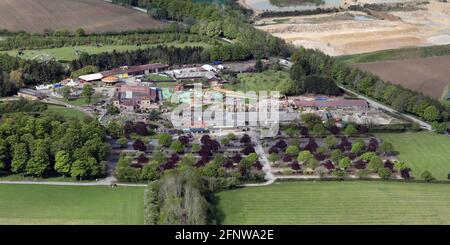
<point x="295" y="166"/>
<point x="405" y="173"/>
<point x="228" y="163"/>
<point x="140" y="128"/>
<point x="205" y="138"/>
<point x="334" y="130"/>
<point x="351" y="155"/>
<point x="345" y="145"/>
<point x="258" y="165"/>
<point x="359" y="164"/>
<point x="248" y="150"/>
<point x="320" y="156"/>
<point x="273" y="149"/>
<point x="139" y="145"/>
<point x="142" y="159"/>
<point x="362" y="129"/>
<point x="328" y="164"/>
<point x="236" y="158"/>
<point x="304" y="131"/>
<point x="245" y="139"/>
<point x="373" y="145"/>
<point x="311" y="146"/>
<point x="287" y="158"/>
<point x="281" y="144"/>
<point x="184" y="139"/>
<point x="388" y="164"/>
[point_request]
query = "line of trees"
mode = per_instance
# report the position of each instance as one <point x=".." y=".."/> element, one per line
<point x="402" y="99"/>
<point x="49" y="145"/>
<point x="30" y="72"/>
<point x="22" y="105"/>
<point x="66" y="39"/>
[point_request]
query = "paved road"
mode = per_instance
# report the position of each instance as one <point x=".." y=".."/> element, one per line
<point x="378" y="105"/>
<point x="270" y="178"/>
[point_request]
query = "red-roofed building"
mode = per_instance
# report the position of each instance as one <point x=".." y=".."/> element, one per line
<point x="135" y="97"/>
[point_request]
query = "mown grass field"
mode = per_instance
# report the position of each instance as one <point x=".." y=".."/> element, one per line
<point x="423" y="151"/>
<point x="396" y="54"/>
<point x="66" y="112"/>
<point x="45" y="204"/>
<point x="347" y="202"/>
<point x="70" y="53"/>
<point x="268" y="80"/>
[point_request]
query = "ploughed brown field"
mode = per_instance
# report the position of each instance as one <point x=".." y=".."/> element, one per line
<point x="91" y="15"/>
<point x="430" y="76"/>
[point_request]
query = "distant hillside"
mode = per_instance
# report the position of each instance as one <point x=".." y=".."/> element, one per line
<point x="91" y="15"/>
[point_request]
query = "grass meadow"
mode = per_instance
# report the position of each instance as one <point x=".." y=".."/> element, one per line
<point x="330" y="202"/>
<point x="46" y="204"/>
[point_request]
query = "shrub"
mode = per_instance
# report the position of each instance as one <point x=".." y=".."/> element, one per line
<point x="368" y="156"/>
<point x="350" y="130"/>
<point x="375" y="164"/>
<point x="274" y="157"/>
<point x="362" y="174"/>
<point x="358" y="147"/>
<point x="344" y="163"/>
<point x="122" y="142"/>
<point x="321" y="171"/>
<point x="384" y="173"/>
<point x="427" y="176"/>
<point x="304" y="156"/>
<point x="336" y="155"/>
<point x="292" y="150"/>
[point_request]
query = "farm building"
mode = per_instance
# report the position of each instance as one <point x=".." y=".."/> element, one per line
<point x="125" y="71"/>
<point x="332" y="104"/>
<point x="135" y="97"/>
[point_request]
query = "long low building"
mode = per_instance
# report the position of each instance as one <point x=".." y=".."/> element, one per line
<point x="332" y="104"/>
<point x="126" y="71"/>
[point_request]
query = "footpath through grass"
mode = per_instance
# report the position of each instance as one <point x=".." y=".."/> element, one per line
<point x="396" y="54"/>
<point x="45" y="204"/>
<point x="347" y="202"/>
<point x="423" y="151"/>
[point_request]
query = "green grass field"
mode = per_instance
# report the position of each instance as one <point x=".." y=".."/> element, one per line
<point x="68" y="53"/>
<point x="396" y="54"/>
<point x="66" y="112"/>
<point x="269" y="80"/>
<point x="45" y="204"/>
<point x="423" y="151"/>
<point x="347" y="202"/>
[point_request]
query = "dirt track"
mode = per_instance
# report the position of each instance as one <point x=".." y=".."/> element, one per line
<point x="91" y="15"/>
<point x="428" y="75"/>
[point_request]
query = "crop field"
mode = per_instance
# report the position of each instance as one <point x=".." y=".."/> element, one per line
<point x="91" y="15"/>
<point x="268" y="80"/>
<point x="71" y="53"/>
<point x="423" y="151"/>
<point x="45" y="204"/>
<point x="396" y="54"/>
<point x="430" y="76"/>
<point x="347" y="202"/>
